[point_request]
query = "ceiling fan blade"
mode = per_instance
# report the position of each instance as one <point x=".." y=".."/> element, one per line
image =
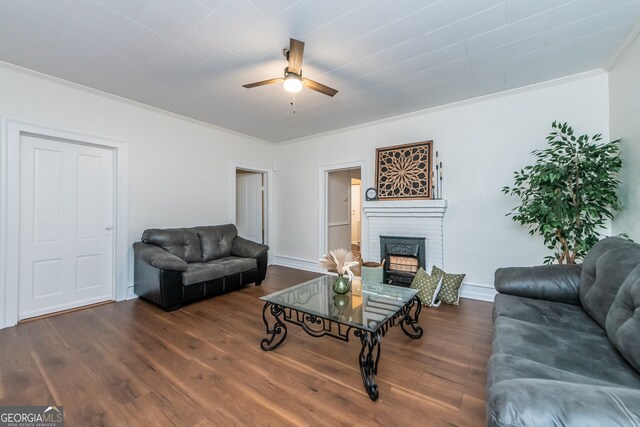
<point x="296" y="49"/>
<point x="263" y="83"/>
<point x="319" y="87"/>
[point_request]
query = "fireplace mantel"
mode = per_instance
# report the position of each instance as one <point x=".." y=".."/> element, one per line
<point x="409" y="218"/>
<point x="405" y="207"/>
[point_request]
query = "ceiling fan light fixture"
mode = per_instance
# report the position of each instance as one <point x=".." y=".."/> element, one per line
<point x="292" y="82"/>
<point x="293" y="73"/>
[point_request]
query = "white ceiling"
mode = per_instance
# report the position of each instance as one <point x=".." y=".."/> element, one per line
<point x="386" y="57"/>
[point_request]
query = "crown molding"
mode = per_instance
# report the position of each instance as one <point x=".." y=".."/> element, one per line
<point x="87" y="89"/>
<point x="631" y="36"/>
<point x="469" y="101"/>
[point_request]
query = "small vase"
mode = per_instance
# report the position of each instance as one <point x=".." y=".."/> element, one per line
<point x="342" y="284"/>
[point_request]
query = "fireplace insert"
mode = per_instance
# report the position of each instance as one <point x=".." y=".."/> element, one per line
<point x="402" y="256"/>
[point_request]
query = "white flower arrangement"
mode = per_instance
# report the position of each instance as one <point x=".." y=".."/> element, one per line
<point x="340" y="261"/>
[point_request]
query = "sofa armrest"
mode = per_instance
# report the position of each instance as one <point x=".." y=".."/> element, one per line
<point x="248" y="249"/>
<point x="158" y="257"/>
<point x="164" y="287"/>
<point x="558" y="283"/>
<point x="538" y="402"/>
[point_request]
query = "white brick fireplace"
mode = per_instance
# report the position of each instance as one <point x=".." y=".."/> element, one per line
<point x="406" y="218"/>
<point x="411" y="218"/>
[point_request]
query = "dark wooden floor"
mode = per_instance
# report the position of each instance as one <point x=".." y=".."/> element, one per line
<point x="130" y="363"/>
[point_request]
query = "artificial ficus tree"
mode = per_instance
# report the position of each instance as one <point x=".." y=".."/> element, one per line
<point x="569" y="194"/>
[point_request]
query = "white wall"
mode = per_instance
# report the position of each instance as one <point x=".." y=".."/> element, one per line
<point x="624" y="93"/>
<point x="179" y="170"/>
<point x="480" y="143"/>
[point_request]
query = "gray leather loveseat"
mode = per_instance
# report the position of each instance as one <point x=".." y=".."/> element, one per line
<point x="566" y="343"/>
<point x="181" y="265"/>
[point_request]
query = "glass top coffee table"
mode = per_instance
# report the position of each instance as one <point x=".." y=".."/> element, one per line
<point x="367" y="311"/>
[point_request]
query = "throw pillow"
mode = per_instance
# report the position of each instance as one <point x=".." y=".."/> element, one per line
<point x="427" y="286"/>
<point x="450" y="290"/>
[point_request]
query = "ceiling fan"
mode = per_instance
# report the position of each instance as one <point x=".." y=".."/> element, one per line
<point x="293" y="80"/>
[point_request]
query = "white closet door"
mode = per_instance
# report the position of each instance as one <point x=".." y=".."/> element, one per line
<point x="66" y="225"/>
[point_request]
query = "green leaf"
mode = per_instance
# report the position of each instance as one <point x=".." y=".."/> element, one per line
<point x="570" y="191"/>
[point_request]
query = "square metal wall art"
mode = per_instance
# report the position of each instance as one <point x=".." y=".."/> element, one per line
<point x="404" y="171"/>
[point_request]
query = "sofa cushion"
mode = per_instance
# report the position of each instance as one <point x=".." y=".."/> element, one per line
<point x="198" y="273"/>
<point x="181" y="242"/>
<point x="534" y="402"/>
<point x="216" y="240"/>
<point x="605" y="267"/>
<point x="234" y="264"/>
<point x="578" y="353"/>
<point x="623" y="320"/>
<point x="504" y="367"/>
<point x="546" y="313"/>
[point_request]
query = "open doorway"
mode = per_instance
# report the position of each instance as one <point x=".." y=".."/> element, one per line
<point x="344" y="205"/>
<point x="356" y="211"/>
<point x="250" y="204"/>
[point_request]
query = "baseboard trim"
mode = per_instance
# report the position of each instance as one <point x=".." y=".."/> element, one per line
<point x="130" y="293"/>
<point x="471" y="290"/>
<point x="299" y="263"/>
<point x="478" y="291"/>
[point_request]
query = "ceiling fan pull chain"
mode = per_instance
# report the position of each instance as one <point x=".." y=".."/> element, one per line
<point x="293" y="104"/>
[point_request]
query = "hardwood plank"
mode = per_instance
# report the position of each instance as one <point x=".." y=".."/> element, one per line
<point x="20" y="380"/>
<point x="70" y="382"/>
<point x="131" y="363"/>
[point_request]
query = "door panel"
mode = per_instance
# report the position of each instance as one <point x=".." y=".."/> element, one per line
<point x="89" y="197"/>
<point x="66" y="220"/>
<point x="47" y="277"/>
<point x="87" y="271"/>
<point x="249" y="211"/>
<point x="47" y="200"/>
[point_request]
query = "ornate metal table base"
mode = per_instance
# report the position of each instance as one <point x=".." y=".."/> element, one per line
<point x="406" y="317"/>
<point x="279" y="330"/>
<point x="369" y="358"/>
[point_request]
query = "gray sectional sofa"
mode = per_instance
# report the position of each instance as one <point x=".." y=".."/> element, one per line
<point x="176" y="266"/>
<point x="566" y="343"/>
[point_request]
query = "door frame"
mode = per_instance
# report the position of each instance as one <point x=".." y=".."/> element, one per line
<point x="323" y="232"/>
<point x="267" y="176"/>
<point x="10" y="211"/>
